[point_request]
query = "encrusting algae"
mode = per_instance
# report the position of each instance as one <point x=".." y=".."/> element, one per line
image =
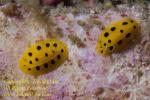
<point x="83" y="75"/>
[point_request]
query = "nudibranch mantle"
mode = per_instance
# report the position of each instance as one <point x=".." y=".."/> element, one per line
<point x="43" y="57"/>
<point x="117" y="36"/>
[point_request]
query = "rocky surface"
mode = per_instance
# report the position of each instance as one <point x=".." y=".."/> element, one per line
<point x="85" y="75"/>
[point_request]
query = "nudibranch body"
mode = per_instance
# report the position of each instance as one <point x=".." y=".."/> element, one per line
<point x="117" y="36"/>
<point x="43" y="57"/>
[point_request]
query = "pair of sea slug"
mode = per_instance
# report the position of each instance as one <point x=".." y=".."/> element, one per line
<point x="47" y="55"/>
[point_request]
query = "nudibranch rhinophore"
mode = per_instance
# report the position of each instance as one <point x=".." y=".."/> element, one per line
<point x="43" y="57"/>
<point x="117" y="36"/>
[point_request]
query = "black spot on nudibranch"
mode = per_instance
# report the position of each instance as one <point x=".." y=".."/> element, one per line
<point x="111" y="48"/>
<point x="128" y="35"/>
<point x="30" y="54"/>
<point x="52" y="61"/>
<point x="102" y="51"/>
<point x="29" y="68"/>
<point x="55" y="45"/>
<point x="113" y="28"/>
<point x="30" y="62"/>
<point x="37" y="67"/>
<point x="134" y="27"/>
<point x="121" y="31"/>
<point x="36" y="59"/>
<point x="58" y="56"/>
<point x="47" y="44"/>
<point x="46" y="54"/>
<point x="46" y="65"/>
<point x="131" y="21"/>
<point x="119" y="42"/>
<point x="62" y="50"/>
<point x="106" y="34"/>
<point x="104" y="44"/>
<point x="109" y="41"/>
<point x="38" y="47"/>
<point x="124" y="23"/>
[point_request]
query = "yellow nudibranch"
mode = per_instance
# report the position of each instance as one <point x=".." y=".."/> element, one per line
<point x="43" y="57"/>
<point x="117" y="36"/>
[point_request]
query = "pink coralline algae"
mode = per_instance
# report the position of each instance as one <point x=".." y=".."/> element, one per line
<point x="84" y="75"/>
<point x="50" y="2"/>
<point x="118" y="80"/>
<point x="3" y="60"/>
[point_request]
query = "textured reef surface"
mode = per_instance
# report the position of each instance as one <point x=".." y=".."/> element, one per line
<point x="85" y="75"/>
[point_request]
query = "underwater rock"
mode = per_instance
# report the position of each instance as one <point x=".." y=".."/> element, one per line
<point x="50" y="2"/>
<point x="147" y="48"/>
<point x="55" y="2"/>
<point x="76" y="40"/>
<point x="4" y="2"/>
<point x="11" y="9"/>
<point x="84" y="75"/>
